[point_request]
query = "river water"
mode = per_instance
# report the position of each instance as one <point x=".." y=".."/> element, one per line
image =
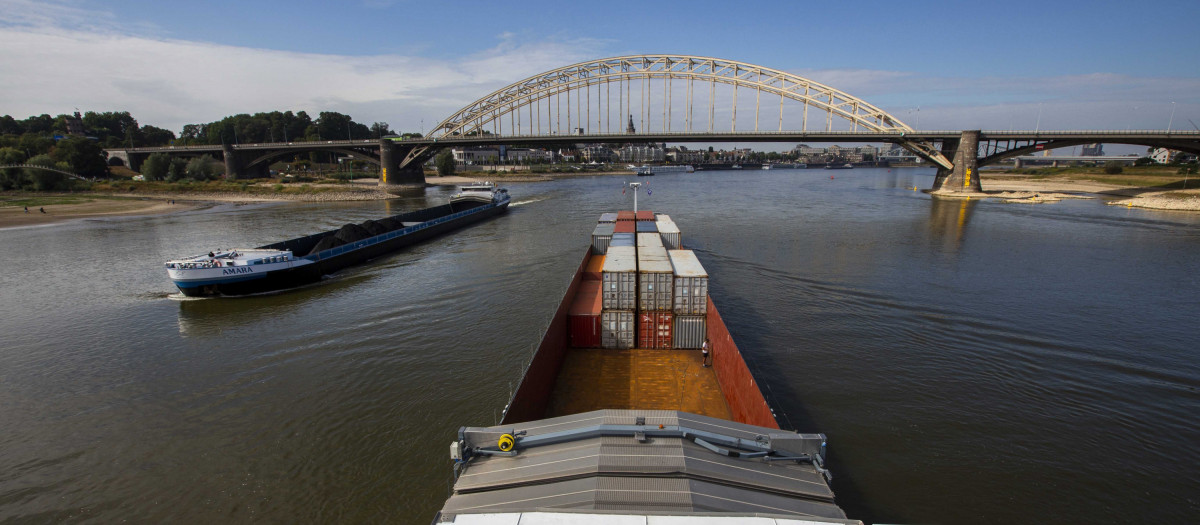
<point x="970" y="361"/>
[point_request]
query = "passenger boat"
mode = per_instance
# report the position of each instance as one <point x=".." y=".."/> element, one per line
<point x="306" y="259"/>
<point x="618" y="420"/>
<point x="845" y="166"/>
<point x="475" y="195"/>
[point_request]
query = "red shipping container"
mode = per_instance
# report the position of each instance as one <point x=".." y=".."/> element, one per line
<point x="654" y="329"/>
<point x="584" y="316"/>
<point x="646" y="215"/>
<point x="625" y="227"/>
<point x="626" y="216"/>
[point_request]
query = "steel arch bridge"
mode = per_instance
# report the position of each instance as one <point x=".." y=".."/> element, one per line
<point x="586" y="91"/>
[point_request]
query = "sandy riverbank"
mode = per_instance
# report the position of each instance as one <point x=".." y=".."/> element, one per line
<point x="1026" y="191"/>
<point x="15" y="216"/>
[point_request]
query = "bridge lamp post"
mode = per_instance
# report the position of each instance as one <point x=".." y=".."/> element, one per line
<point x="1172" y="119"/>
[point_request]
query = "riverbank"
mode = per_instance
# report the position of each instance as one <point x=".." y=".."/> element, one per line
<point x="1157" y="191"/>
<point x="59" y="208"/>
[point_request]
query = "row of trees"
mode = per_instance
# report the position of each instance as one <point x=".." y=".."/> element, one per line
<point x="281" y="127"/>
<point x="111" y="129"/>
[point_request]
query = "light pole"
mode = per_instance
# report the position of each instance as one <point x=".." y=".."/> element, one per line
<point x="1038" y="126"/>
<point x="1172" y="119"/>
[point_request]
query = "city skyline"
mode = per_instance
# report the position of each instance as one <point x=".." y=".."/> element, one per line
<point x="411" y="64"/>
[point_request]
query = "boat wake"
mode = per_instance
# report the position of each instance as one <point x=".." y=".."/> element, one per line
<point x="530" y="201"/>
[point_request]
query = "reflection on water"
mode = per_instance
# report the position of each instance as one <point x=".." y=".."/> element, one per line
<point x="961" y="355"/>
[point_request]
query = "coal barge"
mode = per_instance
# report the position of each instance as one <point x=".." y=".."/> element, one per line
<point x="619" y="420"/>
<point x="303" y="260"/>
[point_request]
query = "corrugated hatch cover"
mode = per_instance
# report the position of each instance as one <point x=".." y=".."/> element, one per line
<point x="663" y="474"/>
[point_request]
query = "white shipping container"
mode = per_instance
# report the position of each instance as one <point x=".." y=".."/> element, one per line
<point x="650" y="240"/>
<point x="690" y="285"/>
<point x="671" y="238"/>
<point x="619" y="279"/>
<point x="601" y="237"/>
<point x="616" y="329"/>
<point x="656" y="280"/>
<point x="689" y="331"/>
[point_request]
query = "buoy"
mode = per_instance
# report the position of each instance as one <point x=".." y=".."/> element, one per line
<point x="506" y="442"/>
<point x="831" y="177"/>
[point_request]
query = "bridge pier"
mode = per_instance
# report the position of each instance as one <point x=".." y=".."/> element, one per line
<point x="391" y="175"/>
<point x="964" y="178"/>
<point x="233" y="164"/>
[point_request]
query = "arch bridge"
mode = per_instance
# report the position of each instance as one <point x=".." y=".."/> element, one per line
<point x="682" y="99"/>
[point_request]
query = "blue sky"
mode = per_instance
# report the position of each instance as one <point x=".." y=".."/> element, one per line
<point x="1085" y="65"/>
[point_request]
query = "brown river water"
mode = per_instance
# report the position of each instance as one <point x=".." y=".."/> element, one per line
<point x="969" y="361"/>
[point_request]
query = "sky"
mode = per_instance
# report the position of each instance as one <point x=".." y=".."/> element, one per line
<point x="968" y="65"/>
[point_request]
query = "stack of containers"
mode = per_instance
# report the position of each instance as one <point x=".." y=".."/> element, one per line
<point x="608" y="217"/>
<point x="619" y="297"/>
<point x="623" y="239"/>
<point x="669" y="232"/>
<point x="644" y="215"/>
<point x="655" y="298"/>
<point x="690" y="299"/>
<point x="601" y="236"/>
<point x="646" y="227"/>
<point x="626" y="216"/>
<point x="584" y="315"/>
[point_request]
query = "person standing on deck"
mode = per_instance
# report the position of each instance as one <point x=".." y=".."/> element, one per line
<point x="704" y="354"/>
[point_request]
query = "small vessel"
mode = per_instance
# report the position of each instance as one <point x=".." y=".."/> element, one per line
<point x="766" y="166"/>
<point x="670" y="168"/>
<point x="644" y="171"/>
<point x="736" y="166"/>
<point x="845" y="166"/>
<point x="306" y="259"/>
<point x="619" y="417"/>
<point x="475" y="195"/>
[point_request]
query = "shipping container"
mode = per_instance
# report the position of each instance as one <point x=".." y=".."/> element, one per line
<point x="616" y="329"/>
<point x="654" y="330"/>
<point x="608" y="217"/>
<point x="619" y="275"/>
<point x="595" y="268"/>
<point x="650" y="240"/>
<point x="625" y="216"/>
<point x="584" y="315"/>
<point x="689" y="331"/>
<point x="691" y="283"/>
<point x="623" y="239"/>
<point x="671" y="237"/>
<point x="601" y="236"/>
<point x="625" y="227"/>
<point x="645" y="215"/>
<point x="656" y="279"/>
<point x="647" y="227"/>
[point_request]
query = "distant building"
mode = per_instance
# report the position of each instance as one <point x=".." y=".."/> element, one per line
<point x="1163" y="155"/>
<point x="75" y="125"/>
<point x="642" y="153"/>
<point x="476" y="155"/>
<point x="630" y="128"/>
<point x="1093" y="150"/>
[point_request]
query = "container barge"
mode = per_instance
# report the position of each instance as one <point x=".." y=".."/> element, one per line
<point x="303" y="260"/>
<point x="618" y="419"/>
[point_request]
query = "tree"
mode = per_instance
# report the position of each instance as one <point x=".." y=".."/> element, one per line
<point x="445" y="163"/>
<point x="200" y="168"/>
<point x="177" y="170"/>
<point x="83" y="156"/>
<point x="12" y="156"/>
<point x="1113" y="167"/>
<point x="1143" y="161"/>
<point x="155" y="136"/>
<point x="380" y="129"/>
<point x="155" y="166"/>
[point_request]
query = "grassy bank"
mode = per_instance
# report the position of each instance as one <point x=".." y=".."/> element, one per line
<point x="1164" y="177"/>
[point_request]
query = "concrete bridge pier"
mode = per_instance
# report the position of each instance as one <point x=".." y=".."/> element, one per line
<point x="391" y="175"/>
<point x="233" y="164"/>
<point x="964" y="177"/>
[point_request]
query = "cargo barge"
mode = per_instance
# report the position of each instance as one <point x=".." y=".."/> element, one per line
<point x="304" y="260"/>
<point x="618" y="418"/>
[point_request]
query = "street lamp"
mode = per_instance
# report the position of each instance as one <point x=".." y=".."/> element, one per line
<point x="1172" y="120"/>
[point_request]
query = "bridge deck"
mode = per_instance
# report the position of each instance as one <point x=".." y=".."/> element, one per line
<point x="593" y="379"/>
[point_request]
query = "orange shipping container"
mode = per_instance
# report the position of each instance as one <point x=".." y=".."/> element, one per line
<point x="645" y="215"/>
<point x="625" y="227"/>
<point x="626" y="216"/>
<point x="592" y="271"/>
